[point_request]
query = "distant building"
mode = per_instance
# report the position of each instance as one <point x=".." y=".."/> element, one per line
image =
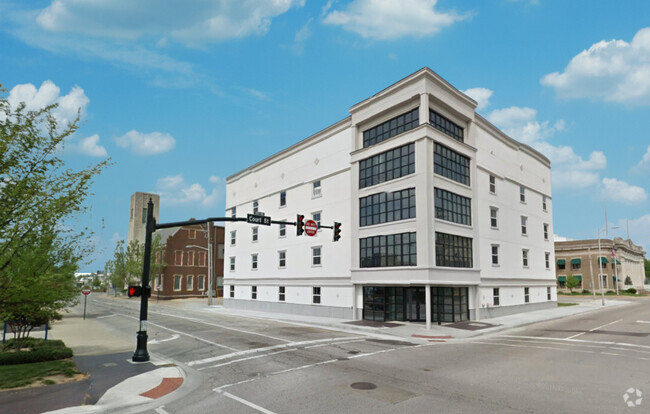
<point x="186" y="271"/>
<point x="580" y="258"/>
<point x="138" y="214"/>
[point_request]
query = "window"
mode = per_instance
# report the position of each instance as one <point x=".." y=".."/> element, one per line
<point x="493" y="184"/>
<point x="548" y="293"/>
<point x="178" y="258"/>
<point x="547" y="260"/>
<point x="232" y="291"/>
<point x="495" y="254"/>
<point x="253" y="292"/>
<point x="604" y="282"/>
<point x="281" y="294"/>
<point x="561" y="264"/>
<point x="316" y="218"/>
<point x="201" y="282"/>
<point x="256" y="207"/>
<point x="544" y="203"/>
<point x="191" y="234"/>
<point x="202" y="256"/>
<point x="233" y="237"/>
<point x="177" y="282"/>
<point x="526" y="295"/>
<point x="495" y="296"/>
<point x="389" y="250"/>
<point x="190" y="282"/>
<point x="190" y="258"/>
<point x="254" y="261"/>
<point x="445" y="125"/>
<point x="387" y="166"/>
<point x="316" y="256"/>
<point x="450" y="164"/>
<point x="524" y="257"/>
<point x="255" y="231"/>
<point x="232" y="263"/>
<point x="283" y="230"/>
<point x="545" y="231"/>
<point x="386" y="207"/>
<point x="576" y="264"/>
<point x="316" y="190"/>
<point x="524" y="225"/>
<point x="453" y="251"/>
<point x="283" y="198"/>
<point x="392" y="127"/>
<point x="233" y="212"/>
<point x="144" y="215"/>
<point x="282" y="259"/>
<point x="315" y="295"/>
<point x="453" y="207"/>
<point x="494" y="223"/>
<point x="522" y="194"/>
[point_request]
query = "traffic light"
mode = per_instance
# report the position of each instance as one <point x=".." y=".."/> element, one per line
<point x="134" y="291"/>
<point x="300" y="224"/>
<point x="337" y="231"/>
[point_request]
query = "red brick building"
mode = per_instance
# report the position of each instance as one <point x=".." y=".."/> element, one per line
<point x="185" y="255"/>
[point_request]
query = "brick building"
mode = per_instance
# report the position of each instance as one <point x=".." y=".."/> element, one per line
<point x="185" y="255"/>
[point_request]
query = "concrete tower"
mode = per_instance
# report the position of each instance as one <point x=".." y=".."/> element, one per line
<point x="138" y="214"/>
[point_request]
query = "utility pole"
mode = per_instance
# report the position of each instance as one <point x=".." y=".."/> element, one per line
<point x="591" y="272"/>
<point x="141" y="354"/>
<point x="210" y="272"/>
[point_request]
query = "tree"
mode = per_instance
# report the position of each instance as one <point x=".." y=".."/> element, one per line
<point x="572" y="282"/>
<point x="126" y="265"/>
<point x="646" y="262"/>
<point x="39" y="197"/>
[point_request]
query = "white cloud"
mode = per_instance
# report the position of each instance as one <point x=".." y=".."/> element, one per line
<point x="388" y="19"/>
<point x="645" y="160"/>
<point x="90" y="146"/>
<point x="571" y="179"/>
<point x="49" y="94"/>
<point x="621" y="191"/>
<point x="522" y="125"/>
<point x="146" y="144"/>
<point x="480" y="95"/>
<point x="175" y="190"/>
<point x="639" y="230"/>
<point x="612" y="70"/>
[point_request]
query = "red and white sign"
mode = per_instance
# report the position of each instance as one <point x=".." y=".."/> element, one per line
<point x="158" y="288"/>
<point x="86" y="290"/>
<point x="311" y="228"/>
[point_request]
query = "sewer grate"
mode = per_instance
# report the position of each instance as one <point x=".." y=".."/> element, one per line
<point x="363" y="386"/>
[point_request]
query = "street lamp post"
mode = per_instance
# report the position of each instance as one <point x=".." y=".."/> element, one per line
<point x="600" y="272"/>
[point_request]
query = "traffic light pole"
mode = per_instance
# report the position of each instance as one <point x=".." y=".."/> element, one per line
<point x="141" y="354"/>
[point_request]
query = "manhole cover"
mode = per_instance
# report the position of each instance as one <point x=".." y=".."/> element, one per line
<point x="363" y="386"/>
<point x="353" y="352"/>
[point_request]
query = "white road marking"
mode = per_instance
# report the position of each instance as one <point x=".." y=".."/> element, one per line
<point x="157" y="341"/>
<point x="642" y="321"/>
<point x="595" y="329"/>
<point x="249" y="358"/>
<point x="577" y="341"/>
<point x="337" y="343"/>
<point x="160" y="410"/>
<point x="106" y="316"/>
<point x="246" y="402"/>
<point x="268" y="348"/>
<point x="534" y="346"/>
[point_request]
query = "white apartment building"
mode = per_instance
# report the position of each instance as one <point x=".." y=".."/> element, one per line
<point x="444" y="217"/>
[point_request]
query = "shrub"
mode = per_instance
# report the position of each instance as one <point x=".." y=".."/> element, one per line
<point x="631" y="290"/>
<point x="610" y="292"/>
<point x="586" y="292"/>
<point x="39" y="351"/>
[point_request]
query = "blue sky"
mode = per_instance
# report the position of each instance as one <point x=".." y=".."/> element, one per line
<point x="182" y="96"/>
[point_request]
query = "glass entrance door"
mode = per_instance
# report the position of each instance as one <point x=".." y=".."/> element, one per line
<point x="415" y="304"/>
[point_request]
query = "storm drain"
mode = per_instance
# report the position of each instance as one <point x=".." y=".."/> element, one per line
<point x="363" y="386"/>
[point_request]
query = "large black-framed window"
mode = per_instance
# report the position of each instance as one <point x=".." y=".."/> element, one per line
<point x="453" y="251"/>
<point x="453" y="207"/>
<point x="389" y="250"/>
<point x="443" y="124"/>
<point x="392" y="127"/>
<point x="387" y="166"/>
<point x="385" y="207"/>
<point x="450" y="164"/>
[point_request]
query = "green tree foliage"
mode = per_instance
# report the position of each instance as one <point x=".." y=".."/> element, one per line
<point x="572" y="282"/>
<point x="126" y="266"/>
<point x="39" y="253"/>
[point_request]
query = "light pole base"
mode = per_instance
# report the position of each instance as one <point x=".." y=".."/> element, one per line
<point x="141" y="354"/>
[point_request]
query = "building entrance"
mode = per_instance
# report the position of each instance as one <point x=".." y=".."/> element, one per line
<point x="416" y="310"/>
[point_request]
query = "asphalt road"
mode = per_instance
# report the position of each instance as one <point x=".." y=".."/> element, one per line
<point x="581" y="364"/>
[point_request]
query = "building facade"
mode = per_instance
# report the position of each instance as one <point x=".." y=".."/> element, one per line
<point x="138" y="215"/>
<point x="185" y="259"/>
<point x="580" y="259"/>
<point x="444" y="217"/>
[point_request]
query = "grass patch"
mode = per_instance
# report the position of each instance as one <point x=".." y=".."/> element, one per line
<point x="560" y="304"/>
<point x="35" y="350"/>
<point x="21" y="375"/>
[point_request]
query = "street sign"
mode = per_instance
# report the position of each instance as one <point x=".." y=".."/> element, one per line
<point x="311" y="228"/>
<point x="158" y="288"/>
<point x="86" y="290"/>
<point x="257" y="219"/>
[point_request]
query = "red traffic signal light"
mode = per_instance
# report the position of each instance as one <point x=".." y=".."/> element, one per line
<point x="134" y="291"/>
<point x="300" y="224"/>
<point x="337" y="231"/>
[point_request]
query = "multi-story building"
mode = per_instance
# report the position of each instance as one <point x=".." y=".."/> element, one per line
<point x="444" y="217"/>
<point x="185" y="258"/>
<point x="580" y="259"/>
